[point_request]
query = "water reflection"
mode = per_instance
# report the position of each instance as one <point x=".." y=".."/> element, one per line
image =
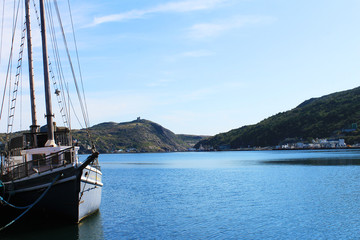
<point x="316" y="161"/>
<point x="89" y="229"/>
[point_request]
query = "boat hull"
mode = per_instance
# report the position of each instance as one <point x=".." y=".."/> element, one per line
<point x="90" y="192"/>
<point x="69" y="199"/>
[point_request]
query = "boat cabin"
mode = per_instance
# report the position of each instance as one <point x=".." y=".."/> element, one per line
<point x="31" y="140"/>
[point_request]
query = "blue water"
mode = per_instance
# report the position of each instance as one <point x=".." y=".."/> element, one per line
<point x="222" y="195"/>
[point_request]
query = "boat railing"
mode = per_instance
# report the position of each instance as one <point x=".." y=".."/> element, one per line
<point x="96" y="165"/>
<point x="40" y="163"/>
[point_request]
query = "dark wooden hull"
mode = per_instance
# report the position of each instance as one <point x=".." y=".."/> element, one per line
<point x="69" y="199"/>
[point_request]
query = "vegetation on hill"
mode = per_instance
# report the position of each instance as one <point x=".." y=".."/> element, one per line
<point x="136" y="136"/>
<point x="330" y="116"/>
<point x="190" y="140"/>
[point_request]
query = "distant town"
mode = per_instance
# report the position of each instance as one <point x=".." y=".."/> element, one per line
<point x="315" y="144"/>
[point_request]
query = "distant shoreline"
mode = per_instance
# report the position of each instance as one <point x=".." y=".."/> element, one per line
<point x="239" y="150"/>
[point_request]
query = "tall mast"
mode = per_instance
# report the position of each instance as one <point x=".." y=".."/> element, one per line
<point x="49" y="115"/>
<point x="34" y="127"/>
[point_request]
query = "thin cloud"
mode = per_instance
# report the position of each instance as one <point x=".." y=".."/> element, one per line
<point x="119" y="17"/>
<point x="206" y="30"/>
<point x="187" y="6"/>
<point x="181" y="6"/>
<point x="190" y="54"/>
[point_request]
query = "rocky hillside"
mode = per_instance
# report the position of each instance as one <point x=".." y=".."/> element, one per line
<point x="135" y="136"/>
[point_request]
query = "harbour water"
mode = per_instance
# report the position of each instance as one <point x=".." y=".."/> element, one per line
<point x="220" y="195"/>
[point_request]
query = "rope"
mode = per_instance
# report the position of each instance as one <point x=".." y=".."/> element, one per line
<point x="2" y="29"/>
<point x="2" y="186"/>
<point x="71" y="65"/>
<point x="87" y="177"/>
<point x="58" y="66"/>
<point x="18" y="78"/>
<point x="31" y="205"/>
<point x="60" y="97"/>
<point x="82" y="102"/>
<point x="83" y="190"/>
<point x="78" y="61"/>
<point x="10" y="57"/>
<point x="3" y="201"/>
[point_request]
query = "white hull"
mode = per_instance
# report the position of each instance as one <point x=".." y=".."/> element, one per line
<point x="90" y="192"/>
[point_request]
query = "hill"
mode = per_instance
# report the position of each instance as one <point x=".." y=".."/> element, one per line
<point x="333" y="115"/>
<point x="135" y="136"/>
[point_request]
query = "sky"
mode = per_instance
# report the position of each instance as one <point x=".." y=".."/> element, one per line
<point x="208" y="66"/>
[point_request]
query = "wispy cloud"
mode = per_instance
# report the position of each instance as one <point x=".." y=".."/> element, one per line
<point x="206" y="30"/>
<point x="187" y="6"/>
<point x="201" y="53"/>
<point x="180" y="6"/>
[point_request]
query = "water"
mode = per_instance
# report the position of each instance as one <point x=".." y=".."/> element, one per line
<point x="221" y="195"/>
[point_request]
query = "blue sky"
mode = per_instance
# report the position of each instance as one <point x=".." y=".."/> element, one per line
<point x="209" y="66"/>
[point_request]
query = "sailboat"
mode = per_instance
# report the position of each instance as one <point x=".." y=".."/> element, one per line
<point x="41" y="172"/>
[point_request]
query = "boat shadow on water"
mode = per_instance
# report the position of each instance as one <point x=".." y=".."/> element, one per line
<point x="88" y="229"/>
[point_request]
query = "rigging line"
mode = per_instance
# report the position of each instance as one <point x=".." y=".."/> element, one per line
<point x="20" y="77"/>
<point x="57" y="60"/>
<point x="78" y="61"/>
<point x="9" y="95"/>
<point x="9" y="63"/>
<point x="11" y="102"/>
<point x="68" y="95"/>
<point x="61" y="74"/>
<point x="56" y="53"/>
<point x="37" y="14"/>
<point x="60" y="71"/>
<point x="70" y="62"/>
<point x="84" y="111"/>
<point x="21" y="108"/>
<point x="10" y="59"/>
<point x="60" y="97"/>
<point x="72" y="106"/>
<point x="2" y="29"/>
<point x="58" y="66"/>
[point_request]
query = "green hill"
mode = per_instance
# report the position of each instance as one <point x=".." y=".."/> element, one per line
<point x="329" y="116"/>
<point x="136" y="136"/>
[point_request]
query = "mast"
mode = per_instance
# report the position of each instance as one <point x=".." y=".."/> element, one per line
<point x="49" y="115"/>
<point x="34" y="127"/>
